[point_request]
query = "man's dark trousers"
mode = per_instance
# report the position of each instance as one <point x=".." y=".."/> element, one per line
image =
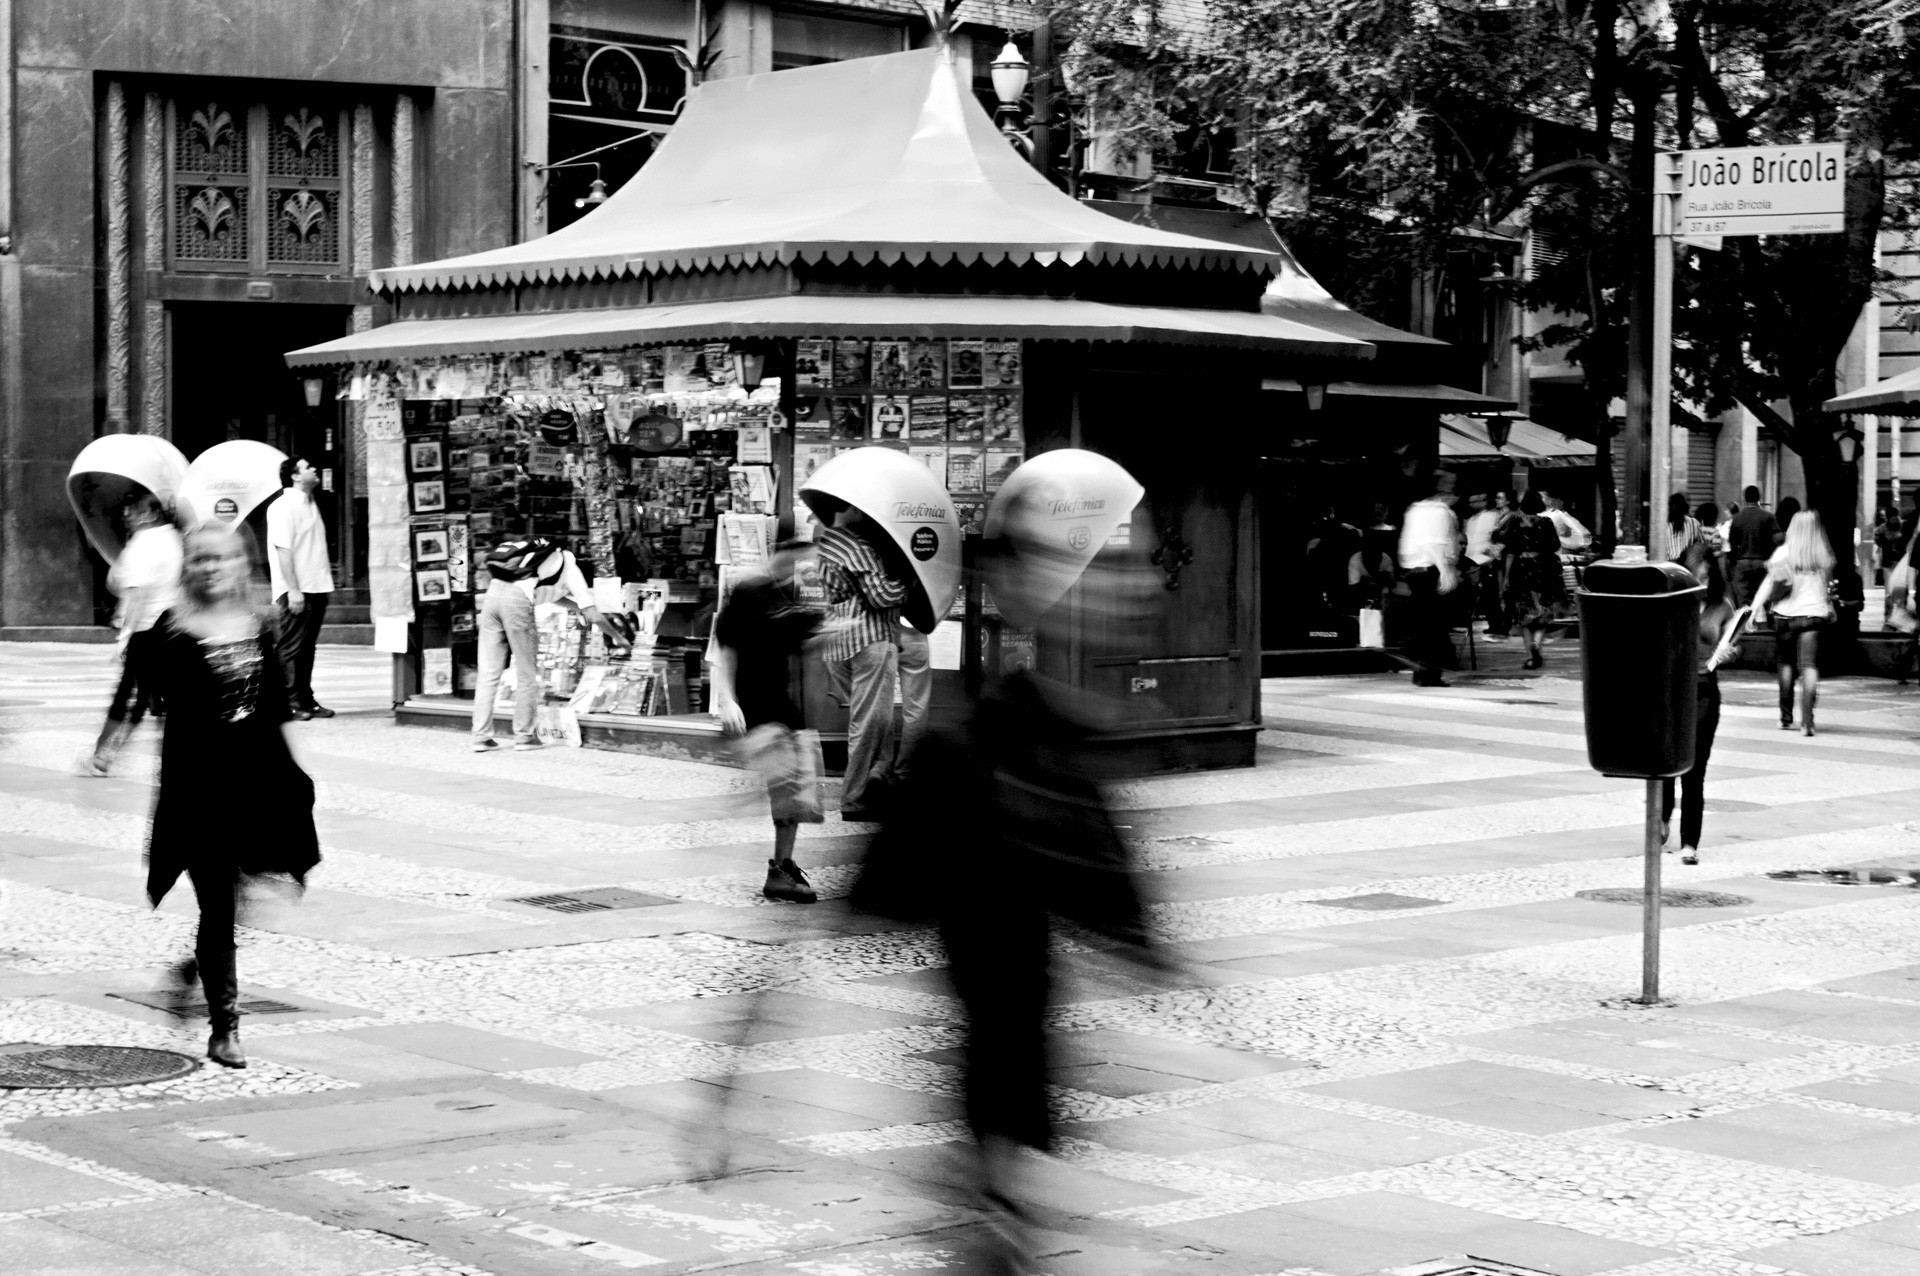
<point x="1429" y="640"/>
<point x="299" y="633"/>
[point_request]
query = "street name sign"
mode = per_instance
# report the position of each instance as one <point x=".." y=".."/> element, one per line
<point x="1763" y="190"/>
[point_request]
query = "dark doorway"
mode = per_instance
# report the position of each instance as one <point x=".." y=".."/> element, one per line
<point x="230" y="380"/>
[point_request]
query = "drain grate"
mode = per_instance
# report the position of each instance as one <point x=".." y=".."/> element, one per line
<point x="1379" y="901"/>
<point x="598" y="899"/>
<point x="88" y="1067"/>
<point x="188" y="1007"/>
<point x="1529" y="704"/>
<point x="1668" y="898"/>
<point x="1863" y="876"/>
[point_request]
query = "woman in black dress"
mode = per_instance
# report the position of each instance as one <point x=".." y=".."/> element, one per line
<point x="1536" y="594"/>
<point x="233" y="804"/>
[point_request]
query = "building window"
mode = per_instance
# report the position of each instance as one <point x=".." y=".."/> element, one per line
<point x="809" y="39"/>
<point x="609" y="99"/>
<point x="256" y="187"/>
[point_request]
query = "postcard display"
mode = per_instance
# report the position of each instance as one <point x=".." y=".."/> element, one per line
<point x="660" y="451"/>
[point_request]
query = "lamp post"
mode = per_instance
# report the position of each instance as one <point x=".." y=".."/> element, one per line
<point x="1011" y="75"/>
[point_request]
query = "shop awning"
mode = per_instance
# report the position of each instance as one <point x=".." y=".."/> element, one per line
<point x="1428" y="394"/>
<point x="873" y="159"/>
<point x="1896" y="396"/>
<point x="832" y="315"/>
<point x="1465" y="438"/>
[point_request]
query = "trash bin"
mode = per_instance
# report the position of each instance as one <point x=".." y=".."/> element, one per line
<point x="1639" y="656"/>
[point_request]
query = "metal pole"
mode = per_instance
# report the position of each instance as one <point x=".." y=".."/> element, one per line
<point x="1660" y="409"/>
<point x="1650" y="909"/>
<point x="1043" y="77"/>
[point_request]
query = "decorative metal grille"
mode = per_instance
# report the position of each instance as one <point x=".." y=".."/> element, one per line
<point x="210" y="223"/>
<point x="302" y="142"/>
<point x="304" y="225"/>
<point x="211" y="138"/>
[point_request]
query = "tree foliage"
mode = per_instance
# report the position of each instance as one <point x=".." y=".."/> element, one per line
<point x="1374" y="130"/>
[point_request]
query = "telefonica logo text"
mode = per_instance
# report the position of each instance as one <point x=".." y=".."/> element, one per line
<point x="918" y="509"/>
<point x="1077" y="505"/>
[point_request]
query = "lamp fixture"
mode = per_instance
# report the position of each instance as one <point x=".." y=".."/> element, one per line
<point x="750" y="366"/>
<point x="313" y="386"/>
<point x="1849" y="438"/>
<point x="1010" y="75"/>
<point x="1499" y="430"/>
<point x="1316" y="396"/>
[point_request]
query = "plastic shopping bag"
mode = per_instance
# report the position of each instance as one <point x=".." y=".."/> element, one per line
<point x="1373" y="629"/>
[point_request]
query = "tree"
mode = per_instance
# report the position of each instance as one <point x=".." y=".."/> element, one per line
<point x="1376" y="129"/>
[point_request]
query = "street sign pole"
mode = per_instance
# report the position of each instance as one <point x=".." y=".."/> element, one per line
<point x="1666" y="209"/>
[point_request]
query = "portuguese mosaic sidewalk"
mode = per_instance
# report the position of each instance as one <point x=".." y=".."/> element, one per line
<point x="1397" y="1037"/>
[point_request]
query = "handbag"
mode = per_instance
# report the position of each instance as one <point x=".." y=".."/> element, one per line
<point x="1373" y="628"/>
<point x="790" y="763"/>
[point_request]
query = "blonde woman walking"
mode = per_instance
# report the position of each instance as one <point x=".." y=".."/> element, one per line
<point x="1800" y="575"/>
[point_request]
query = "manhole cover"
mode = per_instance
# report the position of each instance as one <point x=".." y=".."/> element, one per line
<point x="1668" y="898"/>
<point x="1529" y="704"/>
<point x="1191" y="842"/>
<point x="1726" y="806"/>
<point x="598" y="899"/>
<point x="1464" y="1265"/>
<point x="89" y="1067"/>
<point x="1380" y="901"/>
<point x="1850" y="876"/>
<point x="196" y="1008"/>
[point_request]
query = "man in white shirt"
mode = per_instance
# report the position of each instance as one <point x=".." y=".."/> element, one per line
<point x="1429" y="552"/>
<point x="302" y="580"/>
<point x="1574" y="535"/>
<point x="1490" y="512"/>
<point x="146" y="576"/>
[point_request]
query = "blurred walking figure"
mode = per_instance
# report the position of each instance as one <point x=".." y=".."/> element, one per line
<point x="233" y="805"/>
<point x="302" y="579"/>
<point x="1716" y="616"/>
<point x="1007" y="791"/>
<point x="916" y="699"/>
<point x="1800" y="575"/>
<point x="759" y="637"/>
<point x="1536" y="591"/>
<point x="146" y="576"/>
<point x="1429" y="553"/>
<point x="864" y="597"/>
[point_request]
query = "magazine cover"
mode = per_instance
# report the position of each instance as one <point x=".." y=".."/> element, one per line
<point x="965" y="471"/>
<point x="1002" y="365"/>
<point x="850" y="362"/>
<point x="972" y="513"/>
<point x="933" y="456"/>
<point x="1000" y="463"/>
<point x="808" y="458"/>
<point x="890" y="365"/>
<point x="889" y="419"/>
<point x="927" y="417"/>
<point x="812" y="364"/>
<point x="810" y="415"/>
<point x="849" y="419"/>
<point x="966" y="418"/>
<point x="927" y="365"/>
<point x="967" y="369"/>
<point x="1003" y="418"/>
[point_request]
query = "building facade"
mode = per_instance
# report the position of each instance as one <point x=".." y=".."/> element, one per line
<point x="188" y="191"/>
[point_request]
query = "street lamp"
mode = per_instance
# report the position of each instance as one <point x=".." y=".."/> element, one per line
<point x="1849" y="439"/>
<point x="1499" y="430"/>
<point x="1011" y="74"/>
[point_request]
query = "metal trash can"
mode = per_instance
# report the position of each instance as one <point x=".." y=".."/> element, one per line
<point x="1639" y="656"/>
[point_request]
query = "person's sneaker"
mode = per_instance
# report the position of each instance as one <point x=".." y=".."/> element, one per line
<point x="786" y="881"/>
<point x="528" y="746"/>
<point x="319" y="711"/>
<point x="487" y="745"/>
<point x="92" y="765"/>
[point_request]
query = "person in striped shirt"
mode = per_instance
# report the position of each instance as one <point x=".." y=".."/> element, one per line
<point x="860" y="644"/>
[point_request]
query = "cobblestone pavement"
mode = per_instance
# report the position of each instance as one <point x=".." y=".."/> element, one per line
<point x="1398" y="1036"/>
